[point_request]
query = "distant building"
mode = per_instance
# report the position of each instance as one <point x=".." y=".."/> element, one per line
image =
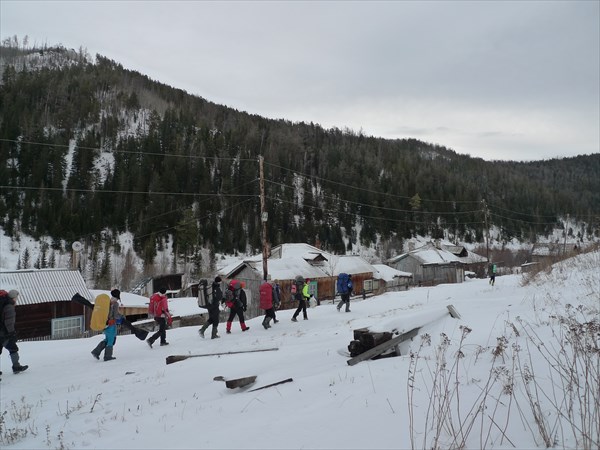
<point x="430" y="265"/>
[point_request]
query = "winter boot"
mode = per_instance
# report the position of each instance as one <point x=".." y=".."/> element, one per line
<point x="244" y="327"/>
<point x="99" y="348"/>
<point x="149" y="341"/>
<point x="203" y="329"/>
<point x="228" y="327"/>
<point x="265" y="323"/>
<point x="214" y="334"/>
<point x="294" y="319"/>
<point x="16" y="367"/>
<point x="108" y="351"/>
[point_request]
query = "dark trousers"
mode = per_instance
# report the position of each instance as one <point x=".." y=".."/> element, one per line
<point x="213" y="319"/>
<point x="301" y="307"/>
<point x="345" y="299"/>
<point x="236" y="311"/>
<point x="162" y="330"/>
<point x="270" y="313"/>
<point x="9" y="344"/>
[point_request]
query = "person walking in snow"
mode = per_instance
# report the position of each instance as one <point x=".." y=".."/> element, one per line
<point x="213" y="307"/>
<point x="110" y="331"/>
<point x="162" y="316"/>
<point x="237" y="305"/>
<point x="8" y="333"/>
<point x="346" y="294"/>
<point x="302" y="295"/>
<point x="492" y="270"/>
<point x="266" y="303"/>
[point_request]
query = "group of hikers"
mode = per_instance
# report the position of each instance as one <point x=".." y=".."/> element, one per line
<point x="269" y="300"/>
<point x="234" y="298"/>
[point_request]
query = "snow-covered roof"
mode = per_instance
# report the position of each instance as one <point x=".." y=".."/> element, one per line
<point x="44" y="285"/>
<point x="387" y="273"/>
<point x="350" y="264"/>
<point x="429" y="254"/>
<point x="472" y="258"/>
<point x="300" y="250"/>
<point x="289" y="260"/>
<point x="127" y="298"/>
<point x="288" y="268"/>
<point x="184" y="306"/>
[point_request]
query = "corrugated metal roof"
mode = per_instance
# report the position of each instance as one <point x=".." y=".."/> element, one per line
<point x="44" y="285"/>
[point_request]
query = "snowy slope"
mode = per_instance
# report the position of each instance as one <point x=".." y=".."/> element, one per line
<point x="67" y="399"/>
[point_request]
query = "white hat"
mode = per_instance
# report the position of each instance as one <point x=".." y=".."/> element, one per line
<point x="13" y="293"/>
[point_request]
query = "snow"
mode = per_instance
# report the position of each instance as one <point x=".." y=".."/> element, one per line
<point x="67" y="399"/>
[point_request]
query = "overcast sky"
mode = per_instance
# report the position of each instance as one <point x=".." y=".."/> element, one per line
<point x="510" y="80"/>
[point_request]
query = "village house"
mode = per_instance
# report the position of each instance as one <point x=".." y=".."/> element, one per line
<point x="430" y="265"/>
<point x="44" y="307"/>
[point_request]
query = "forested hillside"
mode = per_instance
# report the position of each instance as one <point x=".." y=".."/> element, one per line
<point x="89" y="150"/>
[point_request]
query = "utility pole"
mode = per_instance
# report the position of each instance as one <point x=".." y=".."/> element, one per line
<point x="565" y="241"/>
<point x="487" y="230"/>
<point x="264" y="216"/>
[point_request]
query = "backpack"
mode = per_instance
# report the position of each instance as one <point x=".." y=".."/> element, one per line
<point x="204" y="295"/>
<point x="266" y="295"/>
<point x="4" y="300"/>
<point x="229" y="297"/>
<point x="154" y="309"/>
<point x="342" y="283"/>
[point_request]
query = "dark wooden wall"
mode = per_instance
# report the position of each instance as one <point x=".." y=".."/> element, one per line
<point x="35" y="320"/>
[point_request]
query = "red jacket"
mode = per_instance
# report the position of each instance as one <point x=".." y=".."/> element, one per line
<point x="161" y="302"/>
<point x="266" y="296"/>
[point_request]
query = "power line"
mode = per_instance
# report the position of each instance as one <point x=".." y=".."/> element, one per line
<point x="111" y="191"/>
<point x="131" y="152"/>
<point x="369" y="190"/>
<point x="362" y="216"/>
<point x="339" y="199"/>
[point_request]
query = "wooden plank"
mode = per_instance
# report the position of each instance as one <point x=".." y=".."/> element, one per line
<point x="383" y="347"/>
<point x="176" y="358"/>
<point x="240" y="382"/>
<point x="272" y="384"/>
<point x="453" y="312"/>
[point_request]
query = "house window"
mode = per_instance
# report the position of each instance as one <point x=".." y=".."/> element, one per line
<point x="67" y="326"/>
<point x="371" y="285"/>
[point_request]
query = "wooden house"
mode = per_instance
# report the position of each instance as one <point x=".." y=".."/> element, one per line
<point x="430" y="265"/>
<point x="390" y="279"/>
<point x="44" y="307"/>
<point x="173" y="283"/>
<point x="552" y="251"/>
<point x="472" y="262"/>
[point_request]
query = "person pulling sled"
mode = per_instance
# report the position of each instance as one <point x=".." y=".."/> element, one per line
<point x="110" y="331"/>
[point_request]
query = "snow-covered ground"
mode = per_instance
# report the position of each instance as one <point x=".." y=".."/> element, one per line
<point x="69" y="400"/>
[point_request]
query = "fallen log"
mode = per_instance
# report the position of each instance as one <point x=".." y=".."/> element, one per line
<point x="237" y="382"/>
<point x="176" y="358"/>
<point x="271" y="385"/>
